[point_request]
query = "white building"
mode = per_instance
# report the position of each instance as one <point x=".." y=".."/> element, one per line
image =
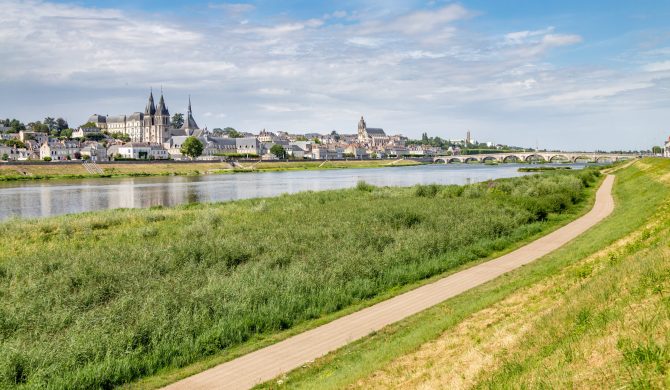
<point x="143" y="151"/>
<point x="666" y="149"/>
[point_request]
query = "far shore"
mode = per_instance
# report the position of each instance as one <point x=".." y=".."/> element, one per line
<point x="119" y="169"/>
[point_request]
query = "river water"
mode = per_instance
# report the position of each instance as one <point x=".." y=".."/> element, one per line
<point x="28" y="199"/>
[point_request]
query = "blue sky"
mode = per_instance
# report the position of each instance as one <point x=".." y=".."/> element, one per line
<point x="564" y="74"/>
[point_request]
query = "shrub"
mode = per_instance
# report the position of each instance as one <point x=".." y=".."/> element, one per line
<point x="365" y="187"/>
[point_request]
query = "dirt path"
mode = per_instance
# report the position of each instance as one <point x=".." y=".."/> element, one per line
<point x="270" y="362"/>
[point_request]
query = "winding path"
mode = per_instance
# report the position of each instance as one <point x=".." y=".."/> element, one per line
<point x="272" y="361"/>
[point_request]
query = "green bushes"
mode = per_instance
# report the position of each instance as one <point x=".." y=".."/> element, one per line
<point x="99" y="299"/>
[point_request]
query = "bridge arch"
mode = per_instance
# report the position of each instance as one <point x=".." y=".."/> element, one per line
<point x="581" y="158"/>
<point x="534" y="157"/>
<point x="512" y="158"/>
<point x="559" y="158"/>
<point x="455" y="160"/>
<point x="443" y="160"/>
<point x="469" y="160"/>
<point x="601" y="159"/>
<point x="486" y="159"/>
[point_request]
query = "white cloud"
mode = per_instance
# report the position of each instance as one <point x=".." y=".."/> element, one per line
<point x="662" y="66"/>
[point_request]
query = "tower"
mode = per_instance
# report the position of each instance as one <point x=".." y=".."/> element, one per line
<point x="362" y="130"/>
<point x="189" y="125"/>
<point x="159" y="132"/>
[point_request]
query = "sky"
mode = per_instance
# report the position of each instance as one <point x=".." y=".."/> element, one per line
<point x="571" y="75"/>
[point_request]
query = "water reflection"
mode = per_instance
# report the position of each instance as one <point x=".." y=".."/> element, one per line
<point x="35" y="199"/>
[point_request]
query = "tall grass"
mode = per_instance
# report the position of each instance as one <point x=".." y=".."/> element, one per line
<point x="100" y="299"/>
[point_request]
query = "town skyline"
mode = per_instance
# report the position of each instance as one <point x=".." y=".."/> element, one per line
<point x="515" y="74"/>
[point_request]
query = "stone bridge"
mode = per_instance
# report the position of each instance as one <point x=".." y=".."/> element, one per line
<point x="533" y="157"/>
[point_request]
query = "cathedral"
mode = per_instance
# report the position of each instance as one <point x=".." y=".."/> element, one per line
<point x="371" y="136"/>
<point x="153" y="126"/>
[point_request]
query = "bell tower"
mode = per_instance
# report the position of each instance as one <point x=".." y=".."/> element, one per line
<point x="362" y="130"/>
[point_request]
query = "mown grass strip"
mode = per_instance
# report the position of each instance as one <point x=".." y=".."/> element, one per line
<point x="637" y="196"/>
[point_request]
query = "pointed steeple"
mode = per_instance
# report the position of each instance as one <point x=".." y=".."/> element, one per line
<point x="162" y="108"/>
<point x="189" y="123"/>
<point x="151" y="107"/>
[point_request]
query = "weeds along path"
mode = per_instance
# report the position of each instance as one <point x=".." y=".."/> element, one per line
<point x="269" y="362"/>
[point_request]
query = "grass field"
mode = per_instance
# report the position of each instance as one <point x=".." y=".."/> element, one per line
<point x="78" y="171"/>
<point x="101" y="299"/>
<point x="595" y="313"/>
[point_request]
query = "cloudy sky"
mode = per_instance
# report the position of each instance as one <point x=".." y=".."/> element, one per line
<point x="570" y="75"/>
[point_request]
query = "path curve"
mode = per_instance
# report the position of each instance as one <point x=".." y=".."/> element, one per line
<point x="272" y="361"/>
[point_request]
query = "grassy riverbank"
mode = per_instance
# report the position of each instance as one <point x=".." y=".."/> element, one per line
<point x="100" y="299"/>
<point x="9" y="172"/>
<point x="595" y="313"/>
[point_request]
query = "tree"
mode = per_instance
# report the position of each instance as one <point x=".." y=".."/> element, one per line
<point x="51" y="123"/>
<point x="657" y="150"/>
<point x="301" y="138"/>
<point x="46" y="158"/>
<point x="16" y="126"/>
<point x="67" y="133"/>
<point x="61" y="124"/>
<point x="177" y="120"/>
<point x="94" y="137"/>
<point x="278" y="151"/>
<point x="121" y="136"/>
<point x="192" y="147"/>
<point x="232" y="133"/>
<point x="14" y="143"/>
<point x="88" y="125"/>
<point x="5" y="157"/>
<point x="316" y="140"/>
<point x="77" y="155"/>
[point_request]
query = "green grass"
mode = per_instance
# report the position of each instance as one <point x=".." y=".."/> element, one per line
<point x="57" y="171"/>
<point x="102" y="299"/>
<point x="638" y="198"/>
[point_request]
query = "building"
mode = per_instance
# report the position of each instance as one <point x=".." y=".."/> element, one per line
<point x="248" y="146"/>
<point x="60" y="151"/>
<point x="151" y="126"/>
<point x="666" y="149"/>
<point x="83" y="131"/>
<point x="143" y="151"/>
<point x="95" y="151"/>
<point x="370" y="135"/>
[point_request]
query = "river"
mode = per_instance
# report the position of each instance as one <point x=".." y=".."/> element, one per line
<point x="27" y="199"/>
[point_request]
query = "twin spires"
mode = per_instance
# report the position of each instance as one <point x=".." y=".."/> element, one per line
<point x="151" y="108"/>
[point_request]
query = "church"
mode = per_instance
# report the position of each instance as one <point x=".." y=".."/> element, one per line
<point x="153" y="125"/>
<point x="370" y="135"/>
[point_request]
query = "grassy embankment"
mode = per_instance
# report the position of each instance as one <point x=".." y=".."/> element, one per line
<point x="595" y="313"/>
<point x="78" y="171"/>
<point x="100" y="299"/>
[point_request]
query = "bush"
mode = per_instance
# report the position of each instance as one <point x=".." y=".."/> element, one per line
<point x="46" y="158"/>
<point x="365" y="187"/>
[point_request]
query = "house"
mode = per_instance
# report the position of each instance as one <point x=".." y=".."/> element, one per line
<point x="320" y="152"/>
<point x="143" y="151"/>
<point x="248" y="146"/>
<point x="666" y="149"/>
<point x="95" y="151"/>
<point x="59" y="151"/>
<point x="81" y="132"/>
<point x="295" y="152"/>
<point x="356" y="151"/>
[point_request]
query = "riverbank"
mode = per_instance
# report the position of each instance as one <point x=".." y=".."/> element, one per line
<point x="125" y="294"/>
<point x="592" y="314"/>
<point x="54" y="171"/>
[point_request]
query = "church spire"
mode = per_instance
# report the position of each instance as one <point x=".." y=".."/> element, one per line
<point x="151" y="107"/>
<point x="189" y="123"/>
